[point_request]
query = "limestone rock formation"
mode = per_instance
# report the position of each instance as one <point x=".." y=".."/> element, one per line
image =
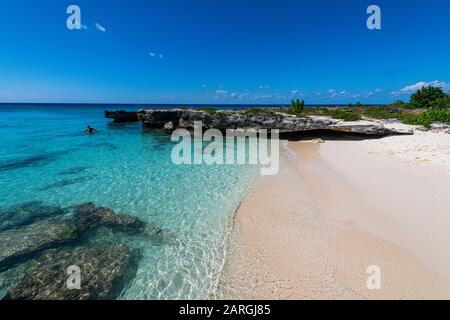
<point x="285" y="123"/>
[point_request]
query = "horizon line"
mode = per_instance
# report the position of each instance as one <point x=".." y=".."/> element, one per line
<point x="187" y="104"/>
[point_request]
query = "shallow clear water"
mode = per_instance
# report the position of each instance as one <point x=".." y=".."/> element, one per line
<point x="45" y="156"/>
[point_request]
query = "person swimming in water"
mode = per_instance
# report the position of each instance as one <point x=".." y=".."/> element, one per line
<point x="90" y="130"/>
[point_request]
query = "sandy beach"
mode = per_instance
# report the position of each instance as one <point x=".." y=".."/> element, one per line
<point x="337" y="208"/>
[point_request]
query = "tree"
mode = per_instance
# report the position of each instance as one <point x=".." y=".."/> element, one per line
<point x="297" y="106"/>
<point x="443" y="103"/>
<point x="428" y="97"/>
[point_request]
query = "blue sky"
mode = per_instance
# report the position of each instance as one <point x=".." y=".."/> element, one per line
<point x="221" y="51"/>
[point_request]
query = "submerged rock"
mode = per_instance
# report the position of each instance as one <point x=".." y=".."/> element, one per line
<point x="104" y="272"/>
<point x="20" y="243"/>
<point x="73" y="171"/>
<point x="32" y="161"/>
<point x="88" y="216"/>
<point x="10" y="278"/>
<point x="65" y="183"/>
<point x="160" y="235"/>
<point x="26" y="213"/>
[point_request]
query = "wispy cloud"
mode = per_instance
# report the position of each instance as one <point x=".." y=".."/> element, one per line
<point x="221" y="92"/>
<point x="99" y="27"/>
<point x="224" y="94"/>
<point x="264" y="87"/>
<point x="419" y="85"/>
<point x="155" y="55"/>
<point x="333" y="93"/>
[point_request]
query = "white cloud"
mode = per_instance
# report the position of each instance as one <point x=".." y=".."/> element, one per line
<point x="295" y="94"/>
<point x="155" y="55"/>
<point x="263" y="96"/>
<point x="419" y="85"/>
<point x="264" y="87"/>
<point x="333" y="93"/>
<point x="100" y="27"/>
<point x="221" y="92"/>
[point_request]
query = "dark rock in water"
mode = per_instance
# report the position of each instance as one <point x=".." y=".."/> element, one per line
<point x="159" y="235"/>
<point x="106" y="145"/>
<point x="26" y="213"/>
<point x="20" y="243"/>
<point x="10" y="278"/>
<point x="33" y="161"/>
<point x="122" y="116"/>
<point x="65" y="183"/>
<point x="88" y="216"/>
<point x="72" y="171"/>
<point x="104" y="272"/>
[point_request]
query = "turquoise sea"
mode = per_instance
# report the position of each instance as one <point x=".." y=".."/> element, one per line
<point x="46" y="156"/>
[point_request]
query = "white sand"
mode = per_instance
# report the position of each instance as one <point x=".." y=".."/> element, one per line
<point x="311" y="231"/>
<point x="424" y="147"/>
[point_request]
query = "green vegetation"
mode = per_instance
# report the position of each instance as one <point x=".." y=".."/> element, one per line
<point x="434" y="99"/>
<point x="430" y="97"/>
<point x="389" y="112"/>
<point x="297" y="106"/>
<point x="443" y="103"/>
<point x="345" y="115"/>
<point x="432" y="115"/>
<point x="400" y="104"/>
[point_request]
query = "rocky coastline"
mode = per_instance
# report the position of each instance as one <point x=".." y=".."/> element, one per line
<point x="171" y="119"/>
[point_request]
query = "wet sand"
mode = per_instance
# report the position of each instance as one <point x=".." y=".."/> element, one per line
<point x="312" y="231"/>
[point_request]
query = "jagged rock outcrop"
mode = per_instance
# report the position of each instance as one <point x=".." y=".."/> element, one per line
<point x="104" y="271"/>
<point x="285" y="123"/>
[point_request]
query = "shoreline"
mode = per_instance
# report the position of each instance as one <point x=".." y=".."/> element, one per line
<point x="284" y="245"/>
